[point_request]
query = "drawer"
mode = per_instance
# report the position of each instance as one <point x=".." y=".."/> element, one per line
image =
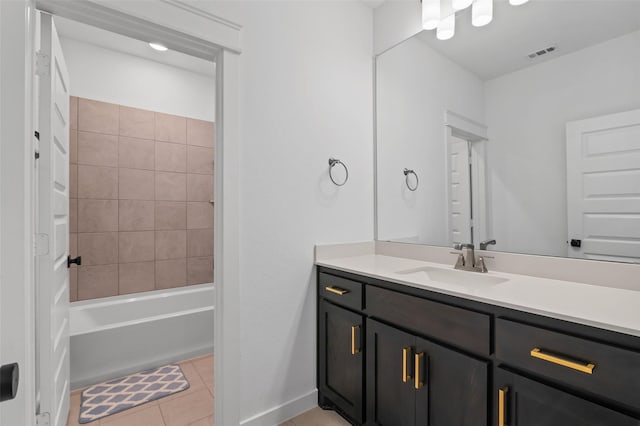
<point x="340" y="290"/>
<point x="607" y="371"/>
<point x="460" y="327"/>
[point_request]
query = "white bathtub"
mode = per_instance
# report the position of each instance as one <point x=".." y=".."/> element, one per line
<point x="120" y="335"/>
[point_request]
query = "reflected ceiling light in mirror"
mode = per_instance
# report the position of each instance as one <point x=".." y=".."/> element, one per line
<point x="430" y="14"/>
<point x="461" y="4"/>
<point x="481" y="12"/>
<point x="517" y="2"/>
<point x="446" y="28"/>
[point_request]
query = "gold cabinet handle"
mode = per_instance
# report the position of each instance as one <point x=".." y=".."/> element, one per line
<point x="418" y="361"/>
<point x="336" y="290"/>
<point x="585" y="367"/>
<point x="406" y="375"/>
<point x="502" y="406"/>
<point x="355" y="349"/>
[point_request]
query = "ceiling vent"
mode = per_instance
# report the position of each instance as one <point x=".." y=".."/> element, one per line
<point x="542" y="52"/>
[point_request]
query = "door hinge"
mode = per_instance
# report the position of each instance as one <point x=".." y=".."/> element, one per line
<point x="43" y="64"/>
<point x="36" y="134"/>
<point x="42" y="419"/>
<point x="41" y="244"/>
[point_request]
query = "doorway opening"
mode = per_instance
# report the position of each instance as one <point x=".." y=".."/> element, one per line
<point x="466" y="180"/>
<point x="125" y="190"/>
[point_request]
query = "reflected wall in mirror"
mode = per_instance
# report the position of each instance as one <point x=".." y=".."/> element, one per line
<point x="525" y="131"/>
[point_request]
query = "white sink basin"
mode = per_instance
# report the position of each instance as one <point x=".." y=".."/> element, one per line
<point x="454" y="276"/>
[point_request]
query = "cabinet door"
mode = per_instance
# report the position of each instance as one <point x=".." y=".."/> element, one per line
<point x="390" y="385"/>
<point x="451" y="388"/>
<point x="524" y="402"/>
<point x="341" y="358"/>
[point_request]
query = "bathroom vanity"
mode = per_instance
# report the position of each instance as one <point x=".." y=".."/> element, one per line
<point x="409" y="342"/>
<point x="480" y="143"/>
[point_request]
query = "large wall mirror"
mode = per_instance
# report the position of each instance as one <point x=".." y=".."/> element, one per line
<point x="520" y="136"/>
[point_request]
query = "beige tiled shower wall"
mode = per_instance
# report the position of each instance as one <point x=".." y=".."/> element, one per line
<point x="141" y="192"/>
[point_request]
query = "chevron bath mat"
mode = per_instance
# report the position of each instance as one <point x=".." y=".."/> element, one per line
<point x="117" y="395"/>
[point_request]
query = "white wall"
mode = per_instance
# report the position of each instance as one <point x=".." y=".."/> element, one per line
<point x="526" y="114"/>
<point x="395" y="21"/>
<point x="110" y="76"/>
<point x="416" y="85"/>
<point x="306" y="95"/>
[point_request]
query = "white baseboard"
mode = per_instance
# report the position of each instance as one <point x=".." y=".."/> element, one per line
<point x="281" y="413"/>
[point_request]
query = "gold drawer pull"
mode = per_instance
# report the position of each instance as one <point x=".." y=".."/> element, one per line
<point x="406" y="375"/>
<point x="336" y="290"/>
<point x="418" y="360"/>
<point x="502" y="406"/>
<point x="354" y="349"/>
<point x="586" y="367"/>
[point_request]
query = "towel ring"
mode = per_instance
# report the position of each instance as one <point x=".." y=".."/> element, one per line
<point x="408" y="172"/>
<point x="332" y="163"/>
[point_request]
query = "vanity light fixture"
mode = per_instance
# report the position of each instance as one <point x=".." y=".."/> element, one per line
<point x="430" y="14"/>
<point x="159" y="47"/>
<point x="446" y="27"/>
<point x="440" y="14"/>
<point x="481" y="13"/>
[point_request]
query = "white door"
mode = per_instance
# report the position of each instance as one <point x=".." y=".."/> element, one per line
<point x="459" y="191"/>
<point x="52" y="277"/>
<point x="603" y="187"/>
<point x="2" y="302"/>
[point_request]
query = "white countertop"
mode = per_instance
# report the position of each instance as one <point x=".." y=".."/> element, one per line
<point x="603" y="307"/>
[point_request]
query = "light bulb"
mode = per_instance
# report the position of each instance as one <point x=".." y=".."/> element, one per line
<point x="446" y="27"/>
<point x="460" y="4"/>
<point x="430" y="14"/>
<point x="481" y="12"/>
<point x="517" y="2"/>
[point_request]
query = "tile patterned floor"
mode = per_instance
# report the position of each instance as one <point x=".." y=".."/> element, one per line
<point x="317" y="417"/>
<point x="193" y="407"/>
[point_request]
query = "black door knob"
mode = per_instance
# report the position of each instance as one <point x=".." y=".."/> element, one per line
<point x="576" y="243"/>
<point x="76" y="260"/>
<point x="9" y="378"/>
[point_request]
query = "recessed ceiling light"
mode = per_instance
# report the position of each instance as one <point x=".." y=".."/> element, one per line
<point x="159" y="47"/>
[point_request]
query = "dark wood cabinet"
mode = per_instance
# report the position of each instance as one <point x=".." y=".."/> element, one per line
<point x="393" y="355"/>
<point x="391" y="397"/>
<point x="457" y="387"/>
<point x="607" y="371"/>
<point x="341" y="359"/>
<point x="413" y="381"/>
<point x="524" y="402"/>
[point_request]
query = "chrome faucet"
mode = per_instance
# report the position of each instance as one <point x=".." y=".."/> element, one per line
<point x="470" y="263"/>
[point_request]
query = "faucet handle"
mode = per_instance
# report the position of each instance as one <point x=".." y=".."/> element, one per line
<point x="460" y="246"/>
<point x="485" y="244"/>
